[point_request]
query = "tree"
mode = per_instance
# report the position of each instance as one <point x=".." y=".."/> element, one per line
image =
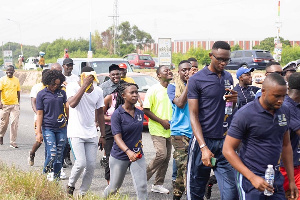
<point x="268" y="44"/>
<point x="107" y="38"/>
<point x="236" y="47"/>
<point x="290" y="54"/>
<point x="97" y="41"/>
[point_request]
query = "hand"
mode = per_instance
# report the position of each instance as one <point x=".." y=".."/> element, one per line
<point x="88" y="81"/>
<point x="165" y="123"/>
<point x="259" y="79"/>
<point x="131" y="155"/>
<point x="101" y="143"/>
<point x="39" y="137"/>
<point x="261" y="184"/>
<point x="293" y="192"/>
<point x="231" y="97"/>
<point x="206" y="156"/>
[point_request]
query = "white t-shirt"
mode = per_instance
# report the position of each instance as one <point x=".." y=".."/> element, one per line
<point x="72" y="78"/>
<point x="34" y="91"/>
<point x="82" y="118"/>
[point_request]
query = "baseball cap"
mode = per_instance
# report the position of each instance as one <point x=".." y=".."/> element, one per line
<point x="68" y="61"/>
<point x="291" y="66"/>
<point x="243" y="70"/>
<point x="123" y="66"/>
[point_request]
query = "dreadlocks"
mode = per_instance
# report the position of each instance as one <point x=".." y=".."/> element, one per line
<point x="120" y="90"/>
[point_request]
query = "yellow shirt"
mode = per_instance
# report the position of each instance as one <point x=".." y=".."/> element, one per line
<point x="157" y="100"/>
<point x="42" y="61"/>
<point x="9" y="88"/>
<point x="128" y="79"/>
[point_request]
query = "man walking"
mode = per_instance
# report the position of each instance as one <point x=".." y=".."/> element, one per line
<point x="157" y="107"/>
<point x="86" y="102"/>
<point x="181" y="129"/>
<point x="206" y="99"/>
<point x="10" y="107"/>
<point x="264" y="140"/>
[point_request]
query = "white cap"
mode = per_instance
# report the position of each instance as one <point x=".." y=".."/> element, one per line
<point x="270" y="166"/>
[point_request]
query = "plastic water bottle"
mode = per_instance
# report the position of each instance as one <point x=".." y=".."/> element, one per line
<point x="269" y="177"/>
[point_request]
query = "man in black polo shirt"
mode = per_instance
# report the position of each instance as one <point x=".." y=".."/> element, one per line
<point x="262" y="127"/>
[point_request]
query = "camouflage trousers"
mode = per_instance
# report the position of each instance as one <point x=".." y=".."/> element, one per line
<point x="181" y="145"/>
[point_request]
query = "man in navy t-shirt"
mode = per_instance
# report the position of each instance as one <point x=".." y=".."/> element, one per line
<point x="262" y="127"/>
<point x="206" y="101"/>
<point x="292" y="101"/>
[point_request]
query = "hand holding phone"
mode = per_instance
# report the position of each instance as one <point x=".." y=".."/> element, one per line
<point x="213" y="161"/>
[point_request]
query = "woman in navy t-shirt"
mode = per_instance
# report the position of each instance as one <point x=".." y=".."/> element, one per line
<point x="127" y="127"/>
<point x="52" y="121"/>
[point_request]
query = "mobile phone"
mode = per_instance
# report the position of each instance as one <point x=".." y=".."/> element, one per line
<point x="100" y="146"/>
<point x="213" y="161"/>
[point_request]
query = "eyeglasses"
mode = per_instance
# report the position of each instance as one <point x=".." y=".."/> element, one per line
<point x="277" y="72"/>
<point x="220" y="60"/>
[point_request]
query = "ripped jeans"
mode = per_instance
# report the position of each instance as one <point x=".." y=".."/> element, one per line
<point x="55" y="141"/>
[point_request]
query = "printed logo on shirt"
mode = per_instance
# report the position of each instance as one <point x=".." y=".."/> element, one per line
<point x="252" y="94"/>
<point x="227" y="84"/>
<point x="62" y="119"/>
<point x="282" y="120"/>
<point x="59" y="94"/>
<point x="140" y="118"/>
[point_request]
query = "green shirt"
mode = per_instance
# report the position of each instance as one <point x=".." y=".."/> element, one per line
<point x="157" y="100"/>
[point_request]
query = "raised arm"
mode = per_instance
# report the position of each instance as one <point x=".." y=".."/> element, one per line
<point x="74" y="100"/>
<point x="182" y="100"/>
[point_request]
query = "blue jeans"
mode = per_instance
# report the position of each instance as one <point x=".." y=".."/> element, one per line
<point x="198" y="174"/>
<point x="55" y="141"/>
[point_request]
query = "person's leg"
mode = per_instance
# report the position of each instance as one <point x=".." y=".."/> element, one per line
<point x="107" y="147"/>
<point x="61" y="139"/>
<point x="160" y="146"/>
<point x="4" y="116"/>
<point x="118" y="170"/>
<point x="50" y="149"/>
<point x="35" y="147"/>
<point x="197" y="173"/>
<point x="67" y="156"/>
<point x="14" y="119"/>
<point x="174" y="169"/>
<point x="139" y="176"/>
<point x="77" y="145"/>
<point x="91" y="147"/>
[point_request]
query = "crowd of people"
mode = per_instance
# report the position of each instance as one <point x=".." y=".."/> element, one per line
<point x="186" y="111"/>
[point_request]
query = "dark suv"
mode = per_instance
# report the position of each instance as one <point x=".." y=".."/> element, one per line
<point x="257" y="59"/>
<point x="140" y="61"/>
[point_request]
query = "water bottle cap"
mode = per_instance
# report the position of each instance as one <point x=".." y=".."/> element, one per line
<point x="270" y="166"/>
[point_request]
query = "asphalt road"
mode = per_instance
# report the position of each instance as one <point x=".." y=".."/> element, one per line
<point x="26" y="138"/>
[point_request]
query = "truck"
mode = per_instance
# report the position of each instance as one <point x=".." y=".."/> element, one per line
<point x="31" y="63"/>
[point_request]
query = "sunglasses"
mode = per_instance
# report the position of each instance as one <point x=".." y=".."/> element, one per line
<point x="220" y="60"/>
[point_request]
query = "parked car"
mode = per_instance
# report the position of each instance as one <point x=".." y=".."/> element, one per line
<point x="142" y="80"/>
<point x="256" y="59"/>
<point x="140" y="61"/>
<point x="31" y="63"/>
<point x="100" y="65"/>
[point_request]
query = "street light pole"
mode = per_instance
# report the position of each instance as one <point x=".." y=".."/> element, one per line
<point x="20" y="33"/>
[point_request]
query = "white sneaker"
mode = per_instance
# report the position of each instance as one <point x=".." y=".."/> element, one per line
<point x="50" y="176"/>
<point x="63" y="175"/>
<point x="159" y="189"/>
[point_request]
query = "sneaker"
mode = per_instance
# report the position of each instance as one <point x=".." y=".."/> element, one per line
<point x="31" y="159"/>
<point x="63" y="175"/>
<point x="70" y="190"/>
<point x="50" y="176"/>
<point x="13" y="145"/>
<point x="68" y="161"/>
<point x="102" y="161"/>
<point x="1" y="140"/>
<point x="159" y="189"/>
<point x="208" y="191"/>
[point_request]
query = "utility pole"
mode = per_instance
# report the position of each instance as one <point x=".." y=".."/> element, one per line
<point x="115" y="25"/>
<point x="278" y="44"/>
<point x="90" y="52"/>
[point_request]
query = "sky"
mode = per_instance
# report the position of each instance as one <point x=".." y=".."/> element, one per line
<point x="33" y="22"/>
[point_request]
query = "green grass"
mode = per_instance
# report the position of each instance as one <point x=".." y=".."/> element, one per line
<point x="16" y="184"/>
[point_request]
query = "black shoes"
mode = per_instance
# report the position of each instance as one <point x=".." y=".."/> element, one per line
<point x="212" y="180"/>
<point x="70" y="190"/>
<point x="68" y="161"/>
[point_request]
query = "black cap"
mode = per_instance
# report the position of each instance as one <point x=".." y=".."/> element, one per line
<point x="68" y="61"/>
<point x="113" y="67"/>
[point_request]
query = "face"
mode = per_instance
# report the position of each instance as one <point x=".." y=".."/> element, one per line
<point x="219" y="59"/>
<point x="123" y="73"/>
<point x="273" y="97"/>
<point x="115" y="76"/>
<point x="183" y="71"/>
<point x="288" y="74"/>
<point x="130" y="94"/>
<point x="68" y="68"/>
<point x="194" y="64"/>
<point x="10" y="72"/>
<point x="54" y="85"/>
<point x="165" y="74"/>
<point x="274" y="69"/>
<point x="246" y="78"/>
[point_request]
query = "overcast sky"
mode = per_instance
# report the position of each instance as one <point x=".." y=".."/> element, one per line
<point x="46" y="20"/>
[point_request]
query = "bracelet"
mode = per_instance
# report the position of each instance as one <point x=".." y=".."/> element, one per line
<point x="102" y="136"/>
<point x="202" y="146"/>
<point x="126" y="150"/>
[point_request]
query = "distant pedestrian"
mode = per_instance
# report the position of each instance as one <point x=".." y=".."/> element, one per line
<point x="127" y="127"/>
<point x="42" y="62"/>
<point x="157" y="107"/>
<point x="123" y="72"/>
<point x="9" y="105"/>
<point x="86" y="108"/>
<point x="66" y="54"/>
<point x="52" y="120"/>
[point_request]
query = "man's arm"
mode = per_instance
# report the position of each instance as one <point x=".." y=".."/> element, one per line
<point x="18" y="93"/>
<point x="229" y="147"/>
<point x="1" y="105"/>
<point x="33" y="104"/>
<point x="197" y="131"/>
<point x="107" y="104"/>
<point x="181" y="101"/>
<point x="74" y="100"/>
<point x="39" y="121"/>
<point x="164" y="122"/>
<point x="287" y="159"/>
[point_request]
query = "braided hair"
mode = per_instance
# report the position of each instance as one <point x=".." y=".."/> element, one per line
<point x="120" y="90"/>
